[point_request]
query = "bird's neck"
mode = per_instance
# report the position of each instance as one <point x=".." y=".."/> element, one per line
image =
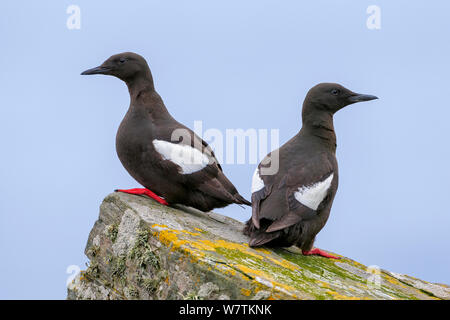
<point x="139" y="86"/>
<point x="320" y="126"/>
<point x="145" y="100"/>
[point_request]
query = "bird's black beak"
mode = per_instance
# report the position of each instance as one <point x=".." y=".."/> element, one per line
<point x="361" y="97"/>
<point x="97" y="70"/>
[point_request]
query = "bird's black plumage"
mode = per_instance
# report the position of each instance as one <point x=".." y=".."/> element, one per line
<point x="291" y="206"/>
<point x="159" y="152"/>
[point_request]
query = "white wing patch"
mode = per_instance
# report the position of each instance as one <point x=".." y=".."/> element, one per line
<point x="187" y="158"/>
<point x="312" y="195"/>
<point x="257" y="183"/>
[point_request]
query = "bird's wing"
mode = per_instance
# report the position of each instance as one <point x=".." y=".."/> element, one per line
<point x="195" y="162"/>
<point x="184" y="149"/>
<point x="296" y="196"/>
<point x="261" y="189"/>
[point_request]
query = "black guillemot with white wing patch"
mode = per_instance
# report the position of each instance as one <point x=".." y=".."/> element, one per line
<point x="290" y="206"/>
<point x="159" y="152"/>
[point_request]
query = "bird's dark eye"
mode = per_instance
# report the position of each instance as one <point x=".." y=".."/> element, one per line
<point x="335" y="92"/>
<point x="122" y="60"/>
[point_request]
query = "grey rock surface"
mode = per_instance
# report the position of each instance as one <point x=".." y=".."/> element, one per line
<point x="139" y="249"/>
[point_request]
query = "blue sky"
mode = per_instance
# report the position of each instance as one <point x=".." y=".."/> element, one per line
<point x="230" y="64"/>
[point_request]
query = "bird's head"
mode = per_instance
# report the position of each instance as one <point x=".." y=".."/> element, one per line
<point x="125" y="66"/>
<point x="331" y="97"/>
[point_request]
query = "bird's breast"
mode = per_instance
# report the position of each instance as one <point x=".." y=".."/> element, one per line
<point x="134" y="140"/>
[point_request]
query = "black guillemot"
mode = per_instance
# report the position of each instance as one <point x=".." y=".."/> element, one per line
<point x="159" y="152"/>
<point x="291" y="206"/>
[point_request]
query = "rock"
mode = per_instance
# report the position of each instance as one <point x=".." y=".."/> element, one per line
<point x="139" y="249"/>
<point x="207" y="289"/>
<point x="261" y="295"/>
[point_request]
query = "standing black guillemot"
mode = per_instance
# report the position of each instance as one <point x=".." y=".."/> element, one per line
<point x="291" y="206"/>
<point x="182" y="171"/>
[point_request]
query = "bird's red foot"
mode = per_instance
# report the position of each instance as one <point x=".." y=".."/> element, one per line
<point x="318" y="252"/>
<point x="144" y="191"/>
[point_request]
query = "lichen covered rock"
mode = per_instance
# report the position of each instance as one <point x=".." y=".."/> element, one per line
<point x="139" y="249"/>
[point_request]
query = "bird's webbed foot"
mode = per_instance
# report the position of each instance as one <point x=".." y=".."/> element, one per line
<point x="144" y="191"/>
<point x="318" y="252"/>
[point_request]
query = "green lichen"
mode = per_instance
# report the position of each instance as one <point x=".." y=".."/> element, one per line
<point x="314" y="264"/>
<point x="142" y="253"/>
<point x="133" y="292"/>
<point x="108" y="258"/>
<point x="93" y="251"/>
<point x="118" y="268"/>
<point x="112" y="232"/>
<point x="297" y="279"/>
<point x="192" y="295"/>
<point x="150" y="284"/>
<point x="92" y="271"/>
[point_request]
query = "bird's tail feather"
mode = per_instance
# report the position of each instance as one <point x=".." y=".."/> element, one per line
<point x="241" y="200"/>
<point x="258" y="237"/>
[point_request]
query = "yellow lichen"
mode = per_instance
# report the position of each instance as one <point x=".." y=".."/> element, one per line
<point x="394" y="281"/>
<point x="339" y="296"/>
<point x="196" y="249"/>
<point x="246" y="292"/>
<point x="323" y="284"/>
<point x="254" y="265"/>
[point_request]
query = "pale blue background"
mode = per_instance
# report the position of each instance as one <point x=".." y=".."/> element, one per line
<point x="232" y="64"/>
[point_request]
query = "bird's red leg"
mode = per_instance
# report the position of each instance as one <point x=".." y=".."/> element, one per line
<point x="144" y="191"/>
<point x="318" y="252"/>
